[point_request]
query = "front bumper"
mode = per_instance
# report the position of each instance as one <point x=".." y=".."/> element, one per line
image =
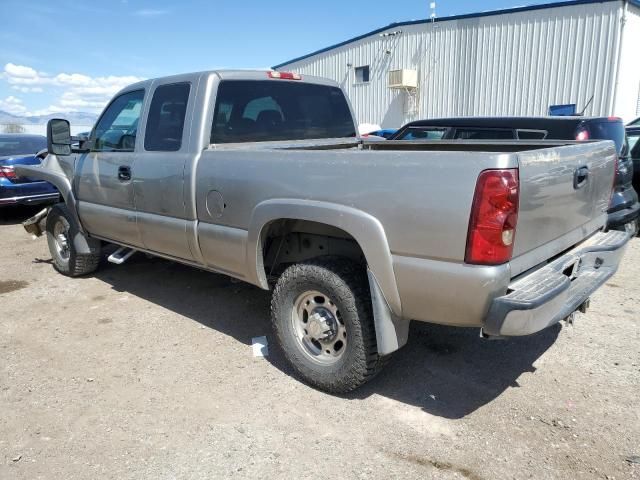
<point x="30" y="199"/>
<point x="537" y="300"/>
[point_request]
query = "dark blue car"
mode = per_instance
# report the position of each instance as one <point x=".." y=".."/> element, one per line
<point x="22" y="149"/>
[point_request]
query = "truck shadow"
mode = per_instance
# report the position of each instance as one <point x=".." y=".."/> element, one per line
<point x="14" y="215"/>
<point x="451" y="372"/>
<point x="448" y="372"/>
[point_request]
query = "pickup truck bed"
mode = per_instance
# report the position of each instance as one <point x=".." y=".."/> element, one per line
<point x="447" y="233"/>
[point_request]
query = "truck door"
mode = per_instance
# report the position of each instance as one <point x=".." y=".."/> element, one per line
<point x="159" y="175"/>
<point x="104" y="182"/>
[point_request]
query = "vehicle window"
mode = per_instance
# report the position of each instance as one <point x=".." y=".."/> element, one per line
<point x="634" y="145"/>
<point x="531" y="134"/>
<point x="422" y="133"/>
<point x="362" y="74"/>
<point x="272" y="110"/>
<point x="612" y="130"/>
<point x="21" y="146"/>
<point x="483" y="134"/>
<point x="117" y="128"/>
<point x="165" y="122"/>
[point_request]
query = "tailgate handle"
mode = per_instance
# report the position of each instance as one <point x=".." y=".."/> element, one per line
<point x="580" y="177"/>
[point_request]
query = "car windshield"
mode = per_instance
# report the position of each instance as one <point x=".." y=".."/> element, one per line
<point x="421" y="133"/>
<point x="16" y="145"/>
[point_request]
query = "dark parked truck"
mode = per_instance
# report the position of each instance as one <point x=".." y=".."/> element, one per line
<point x="261" y="176"/>
<point x="624" y="208"/>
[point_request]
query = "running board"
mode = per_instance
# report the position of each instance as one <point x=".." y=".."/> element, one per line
<point x="121" y="255"/>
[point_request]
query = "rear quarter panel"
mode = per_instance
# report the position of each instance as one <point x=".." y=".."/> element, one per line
<point x="423" y="199"/>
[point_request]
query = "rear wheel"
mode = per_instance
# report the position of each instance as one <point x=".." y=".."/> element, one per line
<point x="61" y="231"/>
<point x="321" y="313"/>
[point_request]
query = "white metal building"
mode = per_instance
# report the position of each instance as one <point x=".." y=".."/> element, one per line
<point x="518" y="61"/>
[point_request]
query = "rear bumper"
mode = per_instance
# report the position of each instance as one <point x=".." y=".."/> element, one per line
<point x="546" y="296"/>
<point x="30" y="199"/>
<point x="617" y="220"/>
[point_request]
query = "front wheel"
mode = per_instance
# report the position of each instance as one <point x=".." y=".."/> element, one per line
<point x="61" y="232"/>
<point x="321" y="313"/>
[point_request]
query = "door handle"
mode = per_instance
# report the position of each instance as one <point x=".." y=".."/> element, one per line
<point x="124" y="173"/>
<point x="580" y="177"/>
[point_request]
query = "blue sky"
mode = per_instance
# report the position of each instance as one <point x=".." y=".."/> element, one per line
<point x="72" y="55"/>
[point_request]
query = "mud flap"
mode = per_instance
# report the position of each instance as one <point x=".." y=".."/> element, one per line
<point x="391" y="332"/>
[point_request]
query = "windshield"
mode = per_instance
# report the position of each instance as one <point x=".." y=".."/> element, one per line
<point x="272" y="110"/>
<point x="16" y="145"/>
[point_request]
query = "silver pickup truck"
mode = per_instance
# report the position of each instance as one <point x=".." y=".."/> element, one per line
<point x="261" y="176"/>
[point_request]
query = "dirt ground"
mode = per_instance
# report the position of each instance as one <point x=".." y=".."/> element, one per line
<point x="145" y="370"/>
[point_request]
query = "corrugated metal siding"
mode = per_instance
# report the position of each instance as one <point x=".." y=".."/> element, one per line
<point x="626" y="92"/>
<point x="513" y="64"/>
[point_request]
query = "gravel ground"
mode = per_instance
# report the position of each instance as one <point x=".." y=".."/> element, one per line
<point x="145" y="370"/>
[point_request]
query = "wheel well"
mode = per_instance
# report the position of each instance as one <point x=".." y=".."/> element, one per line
<point x="287" y="241"/>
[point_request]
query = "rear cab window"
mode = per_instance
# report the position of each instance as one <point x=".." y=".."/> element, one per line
<point x="483" y="134"/>
<point x="422" y="133"/>
<point x="275" y="110"/>
<point x="524" y="134"/>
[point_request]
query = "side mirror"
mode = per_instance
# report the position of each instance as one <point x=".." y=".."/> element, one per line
<point x="58" y="137"/>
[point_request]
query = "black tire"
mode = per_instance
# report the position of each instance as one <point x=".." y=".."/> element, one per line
<point x="66" y="258"/>
<point x="345" y="282"/>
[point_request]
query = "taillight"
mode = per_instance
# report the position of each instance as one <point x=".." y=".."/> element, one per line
<point x="582" y="135"/>
<point x="284" y="75"/>
<point x="494" y="215"/>
<point x="7" y="172"/>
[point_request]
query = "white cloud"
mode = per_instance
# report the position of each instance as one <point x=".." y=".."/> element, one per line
<point x="13" y="105"/>
<point x="76" y="91"/>
<point x="20" y="71"/>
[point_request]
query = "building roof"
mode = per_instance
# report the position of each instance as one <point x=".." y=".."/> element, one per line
<point x="505" y="11"/>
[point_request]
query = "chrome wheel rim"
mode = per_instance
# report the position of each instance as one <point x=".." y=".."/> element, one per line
<point x="61" y="238"/>
<point x="319" y="327"/>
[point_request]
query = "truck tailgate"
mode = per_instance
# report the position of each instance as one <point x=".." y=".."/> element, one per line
<point x="564" y="196"/>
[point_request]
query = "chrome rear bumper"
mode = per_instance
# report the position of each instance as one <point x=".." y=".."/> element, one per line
<point x="537" y="300"/>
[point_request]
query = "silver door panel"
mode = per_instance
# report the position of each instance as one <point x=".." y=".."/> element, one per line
<point x="116" y="224"/>
<point x="165" y="234"/>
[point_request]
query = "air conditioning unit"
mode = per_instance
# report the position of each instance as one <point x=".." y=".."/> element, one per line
<point x="403" y="78"/>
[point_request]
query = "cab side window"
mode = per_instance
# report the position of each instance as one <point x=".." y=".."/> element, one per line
<point x="165" y="123"/>
<point x="117" y="128"/>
